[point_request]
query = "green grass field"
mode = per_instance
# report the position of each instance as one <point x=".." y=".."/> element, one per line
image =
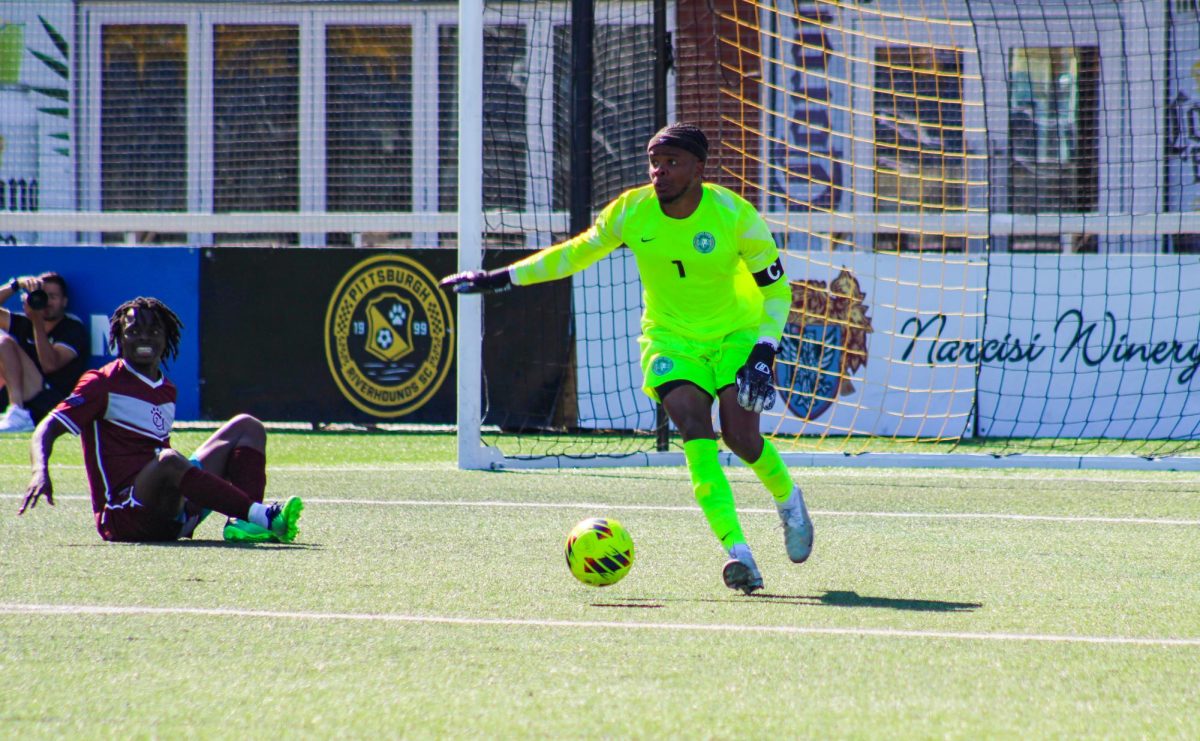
<point x="422" y="601"/>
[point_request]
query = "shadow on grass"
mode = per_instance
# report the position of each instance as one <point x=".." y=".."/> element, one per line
<point x="206" y="544"/>
<point x="634" y="603"/>
<point x="228" y="544"/>
<point x="828" y="599"/>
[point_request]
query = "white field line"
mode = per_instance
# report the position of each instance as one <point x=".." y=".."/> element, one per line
<point x="760" y="510"/>
<point x="892" y="477"/>
<point x="595" y="506"/>
<point x="73" y="610"/>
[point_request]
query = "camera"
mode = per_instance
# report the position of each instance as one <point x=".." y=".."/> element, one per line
<point x="37" y="299"/>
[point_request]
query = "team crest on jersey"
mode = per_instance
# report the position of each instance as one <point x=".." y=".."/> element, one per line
<point x="824" y="343"/>
<point x="388" y="334"/>
<point x="662" y="366"/>
<point x="157" y="419"/>
<point x="704" y="243"/>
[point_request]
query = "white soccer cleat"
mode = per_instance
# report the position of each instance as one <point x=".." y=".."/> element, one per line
<point x="797" y="527"/>
<point x="740" y="571"/>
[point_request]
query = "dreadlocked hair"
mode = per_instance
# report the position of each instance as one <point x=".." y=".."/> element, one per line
<point x="169" y="319"/>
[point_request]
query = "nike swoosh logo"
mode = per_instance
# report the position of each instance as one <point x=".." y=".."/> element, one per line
<point x="649" y="239"/>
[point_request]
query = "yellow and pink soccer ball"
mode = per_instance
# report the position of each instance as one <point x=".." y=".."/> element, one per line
<point x="599" y="551"/>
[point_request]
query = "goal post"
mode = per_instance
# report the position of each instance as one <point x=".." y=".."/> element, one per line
<point x="986" y="212"/>
<point x="471" y="451"/>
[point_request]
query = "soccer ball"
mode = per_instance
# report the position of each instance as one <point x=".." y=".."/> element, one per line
<point x="599" y="551"/>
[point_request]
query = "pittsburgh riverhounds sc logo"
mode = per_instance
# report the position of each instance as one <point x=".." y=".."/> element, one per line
<point x="388" y="336"/>
<point x="824" y="343"/>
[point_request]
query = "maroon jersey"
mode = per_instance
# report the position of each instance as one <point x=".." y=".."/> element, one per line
<point x="123" y="420"/>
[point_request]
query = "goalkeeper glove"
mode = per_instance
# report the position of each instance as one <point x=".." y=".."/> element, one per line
<point x="756" y="391"/>
<point x="478" y="281"/>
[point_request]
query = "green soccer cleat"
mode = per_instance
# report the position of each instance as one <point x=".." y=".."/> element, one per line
<point x="244" y="531"/>
<point x="285" y="518"/>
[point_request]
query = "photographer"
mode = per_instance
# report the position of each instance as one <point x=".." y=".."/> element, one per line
<point x="43" y="351"/>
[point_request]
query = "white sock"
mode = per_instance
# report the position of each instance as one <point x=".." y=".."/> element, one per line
<point x="258" y="514"/>
<point x="741" y="552"/>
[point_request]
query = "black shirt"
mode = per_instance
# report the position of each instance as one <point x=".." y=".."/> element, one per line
<point x="69" y="332"/>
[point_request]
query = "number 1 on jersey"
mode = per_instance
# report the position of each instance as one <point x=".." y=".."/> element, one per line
<point x="679" y="264"/>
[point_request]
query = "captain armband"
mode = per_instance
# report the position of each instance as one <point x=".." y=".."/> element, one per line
<point x="769" y="274"/>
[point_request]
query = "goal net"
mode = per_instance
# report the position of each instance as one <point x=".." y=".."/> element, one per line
<point x="989" y="211"/>
<point x="988" y="214"/>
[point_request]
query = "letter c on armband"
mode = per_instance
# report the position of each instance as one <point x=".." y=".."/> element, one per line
<point x="769" y="274"/>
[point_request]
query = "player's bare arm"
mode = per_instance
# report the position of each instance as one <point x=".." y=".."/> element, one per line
<point x="40" y="448"/>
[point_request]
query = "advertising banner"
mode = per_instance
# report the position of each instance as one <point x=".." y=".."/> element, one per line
<point x="899" y="345"/>
<point x="1093" y="346"/>
<point x="882" y="346"/>
<point x="19" y="185"/>
<point x="329" y="335"/>
<point x="359" y="335"/>
<point x="1072" y="346"/>
<point x="38" y="147"/>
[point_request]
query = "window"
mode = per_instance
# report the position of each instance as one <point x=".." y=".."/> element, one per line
<point x="369" y="118"/>
<point x="920" y="150"/>
<point x="505" y="128"/>
<point x="1053" y="101"/>
<point x="143" y="120"/>
<point x="256" y="101"/>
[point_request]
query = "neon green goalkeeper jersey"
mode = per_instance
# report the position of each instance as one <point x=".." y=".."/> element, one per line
<point x="698" y="273"/>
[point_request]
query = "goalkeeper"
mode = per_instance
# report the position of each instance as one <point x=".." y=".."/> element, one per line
<point x="716" y="300"/>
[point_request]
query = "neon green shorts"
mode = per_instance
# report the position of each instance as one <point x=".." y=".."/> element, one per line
<point x="710" y="365"/>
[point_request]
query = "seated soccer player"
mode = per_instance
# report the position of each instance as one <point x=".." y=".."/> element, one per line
<point x="142" y="489"/>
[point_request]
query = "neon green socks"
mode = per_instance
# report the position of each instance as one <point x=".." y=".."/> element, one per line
<point x="713" y="492"/>
<point x="772" y="472"/>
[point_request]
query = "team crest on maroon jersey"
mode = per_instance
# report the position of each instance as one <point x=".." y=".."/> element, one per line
<point x="157" y="419"/>
<point x="388" y="334"/>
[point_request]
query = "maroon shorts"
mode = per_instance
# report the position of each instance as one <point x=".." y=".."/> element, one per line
<point x="127" y="520"/>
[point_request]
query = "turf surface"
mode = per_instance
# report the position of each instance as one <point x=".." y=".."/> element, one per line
<point x="423" y="601"/>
